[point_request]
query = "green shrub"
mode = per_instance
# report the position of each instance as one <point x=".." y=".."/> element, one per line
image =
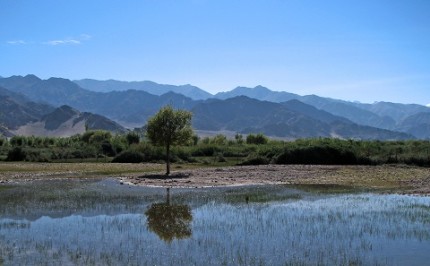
<point x="205" y="150"/>
<point x="87" y="152"/>
<point x="316" y="155"/>
<point x="219" y="140"/>
<point x="182" y="154"/>
<point x="220" y="158"/>
<point x="132" y="138"/>
<point x="258" y="139"/>
<point x="36" y="155"/>
<point x="107" y="148"/>
<point x="255" y="159"/>
<point x="239" y="138"/>
<point x="269" y="150"/>
<point x="151" y="153"/>
<point x="119" y="144"/>
<point x="417" y="161"/>
<point x="18" y="141"/>
<point x="16" y="154"/>
<point x="129" y="157"/>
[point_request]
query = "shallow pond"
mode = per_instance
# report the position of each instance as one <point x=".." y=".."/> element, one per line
<point x="105" y="223"/>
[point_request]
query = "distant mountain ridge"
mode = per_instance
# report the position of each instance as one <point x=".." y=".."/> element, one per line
<point x="385" y="115"/>
<point x="291" y="119"/>
<point x="151" y="87"/>
<point x="396" y="111"/>
<point x="258" y="92"/>
<point x="133" y="106"/>
<point x="283" y="114"/>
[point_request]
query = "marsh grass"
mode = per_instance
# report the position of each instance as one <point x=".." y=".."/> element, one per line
<point x="83" y="222"/>
<point x="259" y="198"/>
<point x="5" y="187"/>
<point x="260" y="194"/>
<point x="329" y="188"/>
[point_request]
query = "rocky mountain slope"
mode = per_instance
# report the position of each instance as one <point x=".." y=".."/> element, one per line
<point x="19" y="115"/>
<point x="66" y="121"/>
<point x="16" y="110"/>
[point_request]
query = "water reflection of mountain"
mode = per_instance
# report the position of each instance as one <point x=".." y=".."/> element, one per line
<point x="66" y="198"/>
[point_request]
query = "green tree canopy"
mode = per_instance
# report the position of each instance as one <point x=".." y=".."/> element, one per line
<point x="132" y="138"/>
<point x="169" y="127"/>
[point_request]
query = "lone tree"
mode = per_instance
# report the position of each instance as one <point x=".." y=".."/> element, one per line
<point x="169" y="127"/>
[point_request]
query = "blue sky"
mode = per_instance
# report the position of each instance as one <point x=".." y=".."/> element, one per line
<point x="364" y="50"/>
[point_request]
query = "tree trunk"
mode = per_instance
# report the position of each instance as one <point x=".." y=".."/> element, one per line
<point x="167" y="160"/>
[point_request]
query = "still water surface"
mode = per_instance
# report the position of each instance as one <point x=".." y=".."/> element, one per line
<point x="105" y="223"/>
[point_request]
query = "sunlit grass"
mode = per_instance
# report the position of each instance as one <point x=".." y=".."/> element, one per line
<point x="74" y="169"/>
<point x="96" y="169"/>
<point x="388" y="177"/>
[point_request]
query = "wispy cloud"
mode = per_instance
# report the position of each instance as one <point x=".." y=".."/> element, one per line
<point x="66" y="41"/>
<point x="69" y="41"/>
<point x="61" y="42"/>
<point x="16" y="42"/>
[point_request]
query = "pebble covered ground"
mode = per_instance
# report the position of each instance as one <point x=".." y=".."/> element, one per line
<point x="403" y="179"/>
<point x="399" y="178"/>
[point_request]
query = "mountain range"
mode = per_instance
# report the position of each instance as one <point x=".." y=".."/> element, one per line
<point x="28" y="99"/>
<point x="291" y="119"/>
<point x="21" y="116"/>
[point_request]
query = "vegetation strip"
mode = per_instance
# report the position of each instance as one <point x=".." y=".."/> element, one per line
<point x="133" y="147"/>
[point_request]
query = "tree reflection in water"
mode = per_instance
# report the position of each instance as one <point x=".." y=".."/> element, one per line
<point x="169" y="221"/>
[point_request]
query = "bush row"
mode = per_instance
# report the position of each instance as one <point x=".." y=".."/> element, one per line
<point x="255" y="149"/>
